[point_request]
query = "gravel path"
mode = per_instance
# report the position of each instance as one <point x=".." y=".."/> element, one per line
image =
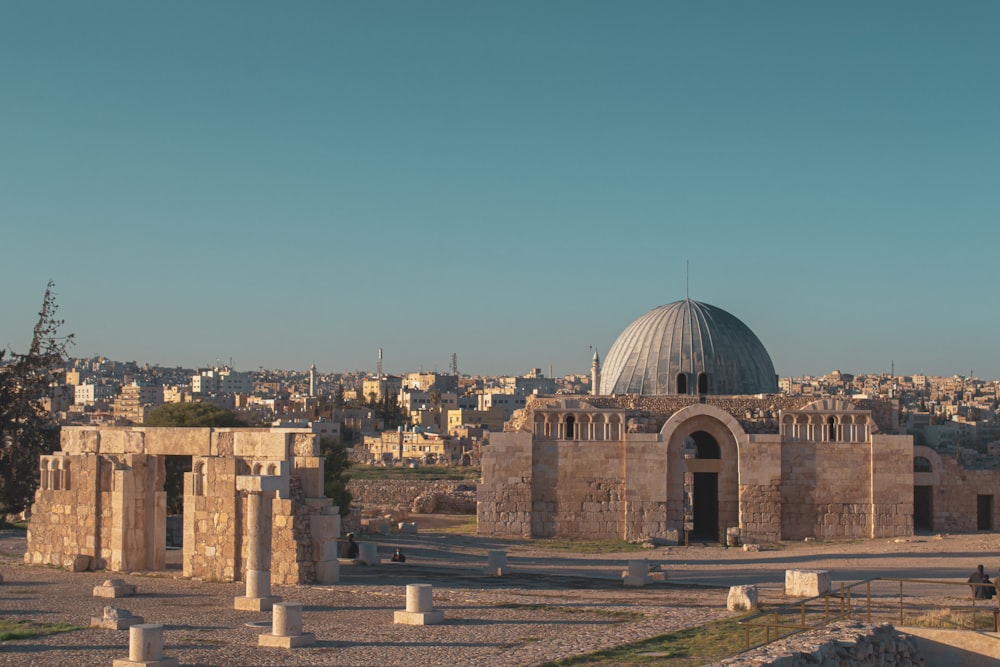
<point x="553" y="605"/>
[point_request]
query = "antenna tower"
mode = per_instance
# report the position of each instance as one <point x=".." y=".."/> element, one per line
<point x="454" y="363"/>
<point x="379" y="371"/>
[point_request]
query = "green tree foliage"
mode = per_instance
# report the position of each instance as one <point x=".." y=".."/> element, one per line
<point x="27" y="430"/>
<point x="185" y="415"/>
<point x="335" y="475"/>
<point x="191" y="415"/>
<point x="389" y="410"/>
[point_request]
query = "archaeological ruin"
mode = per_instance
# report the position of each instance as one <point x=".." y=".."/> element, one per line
<point x="253" y="504"/>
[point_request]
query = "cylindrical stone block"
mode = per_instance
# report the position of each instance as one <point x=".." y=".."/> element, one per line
<point x="258" y="583"/>
<point x="638" y="568"/>
<point x="286" y="619"/>
<point x="496" y="559"/>
<point x="145" y="642"/>
<point x="419" y="598"/>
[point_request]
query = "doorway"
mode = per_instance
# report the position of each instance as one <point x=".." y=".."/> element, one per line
<point x="923" y="508"/>
<point x="984" y="512"/>
<point x="705" y="503"/>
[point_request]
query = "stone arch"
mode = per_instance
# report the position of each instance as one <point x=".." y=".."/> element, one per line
<point x="727" y="433"/>
<point x="569" y="427"/>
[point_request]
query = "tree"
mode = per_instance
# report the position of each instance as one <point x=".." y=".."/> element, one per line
<point x="191" y="415"/>
<point x="185" y="415"/>
<point x="335" y="475"/>
<point x="27" y="429"/>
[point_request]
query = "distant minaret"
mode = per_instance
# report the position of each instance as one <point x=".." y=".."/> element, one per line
<point x="312" y="380"/>
<point x="595" y="375"/>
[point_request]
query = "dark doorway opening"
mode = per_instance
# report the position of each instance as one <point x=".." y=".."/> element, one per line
<point x="702" y="383"/>
<point x="682" y="383"/>
<point x="570" y="423"/>
<point x="923" y="508"/>
<point x="984" y="512"/>
<point x="706" y="505"/>
<point x="173" y="485"/>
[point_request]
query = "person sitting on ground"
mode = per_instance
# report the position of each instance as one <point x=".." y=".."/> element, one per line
<point x="398" y="557"/>
<point x="351" y="548"/>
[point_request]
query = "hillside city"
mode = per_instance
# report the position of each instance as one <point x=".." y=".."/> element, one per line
<point x="444" y="418"/>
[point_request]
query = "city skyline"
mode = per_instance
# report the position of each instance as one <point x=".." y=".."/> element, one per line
<point x="510" y="183"/>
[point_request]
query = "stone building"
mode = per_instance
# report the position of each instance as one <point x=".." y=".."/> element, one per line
<point x="689" y="437"/>
<point x="101" y="502"/>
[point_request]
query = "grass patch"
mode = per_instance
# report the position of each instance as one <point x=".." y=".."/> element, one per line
<point x="694" y="646"/>
<point x="26" y="629"/>
<point x="588" y="546"/>
<point x="463" y="473"/>
<point x="463" y="525"/>
<point x="950" y="619"/>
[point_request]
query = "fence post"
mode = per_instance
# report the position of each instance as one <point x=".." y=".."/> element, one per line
<point x="868" y="591"/>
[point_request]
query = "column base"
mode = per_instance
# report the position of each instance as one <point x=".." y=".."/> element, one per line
<point x="162" y="662"/>
<point x="418" y="617"/>
<point x="255" y="604"/>
<point x="275" y="641"/>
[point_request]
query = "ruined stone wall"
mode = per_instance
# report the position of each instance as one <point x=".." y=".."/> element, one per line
<point x="504" y="501"/>
<point x="846" y="644"/>
<point x="645" y="487"/>
<point x="448" y="496"/>
<point x="213" y="521"/>
<point x="955" y="499"/>
<point x="64" y="521"/>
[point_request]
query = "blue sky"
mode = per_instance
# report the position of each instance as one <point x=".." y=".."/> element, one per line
<point x="288" y="183"/>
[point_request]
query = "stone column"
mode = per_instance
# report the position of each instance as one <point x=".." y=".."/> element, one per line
<point x="419" y="607"/>
<point x="258" y="571"/>
<point x="286" y="627"/>
<point x="145" y="647"/>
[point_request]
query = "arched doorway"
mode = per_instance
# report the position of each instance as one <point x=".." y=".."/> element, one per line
<point x="702" y="485"/>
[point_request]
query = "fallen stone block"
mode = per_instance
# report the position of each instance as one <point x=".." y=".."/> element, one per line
<point x="408" y="527"/>
<point x="77" y="563"/>
<point x="114" y="588"/>
<point x="806" y="583"/>
<point x="113" y="618"/>
<point x="742" y="598"/>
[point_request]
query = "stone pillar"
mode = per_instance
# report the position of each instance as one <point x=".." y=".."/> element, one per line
<point x="419" y="607"/>
<point x="258" y="573"/>
<point x="145" y="647"/>
<point x="637" y="573"/>
<point x="286" y="627"/>
<point x="368" y="553"/>
<point x="496" y="561"/>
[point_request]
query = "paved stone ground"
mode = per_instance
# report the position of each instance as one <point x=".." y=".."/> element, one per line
<point x="554" y="604"/>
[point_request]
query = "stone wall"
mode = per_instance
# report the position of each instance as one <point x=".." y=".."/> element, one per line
<point x="846" y="644"/>
<point x="444" y="496"/>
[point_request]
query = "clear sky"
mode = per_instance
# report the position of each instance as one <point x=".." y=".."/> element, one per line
<point x="283" y="183"/>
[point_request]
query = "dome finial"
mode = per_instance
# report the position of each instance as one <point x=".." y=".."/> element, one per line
<point x="687" y="279"/>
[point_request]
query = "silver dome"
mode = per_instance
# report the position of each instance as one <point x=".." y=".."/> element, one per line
<point x="688" y="347"/>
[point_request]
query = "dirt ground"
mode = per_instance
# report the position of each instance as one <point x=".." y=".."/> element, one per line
<point x="550" y="604"/>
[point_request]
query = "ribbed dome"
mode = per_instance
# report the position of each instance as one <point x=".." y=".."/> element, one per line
<point x="687" y="347"/>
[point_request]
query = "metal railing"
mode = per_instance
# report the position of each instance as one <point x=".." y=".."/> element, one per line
<point x="880" y="600"/>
